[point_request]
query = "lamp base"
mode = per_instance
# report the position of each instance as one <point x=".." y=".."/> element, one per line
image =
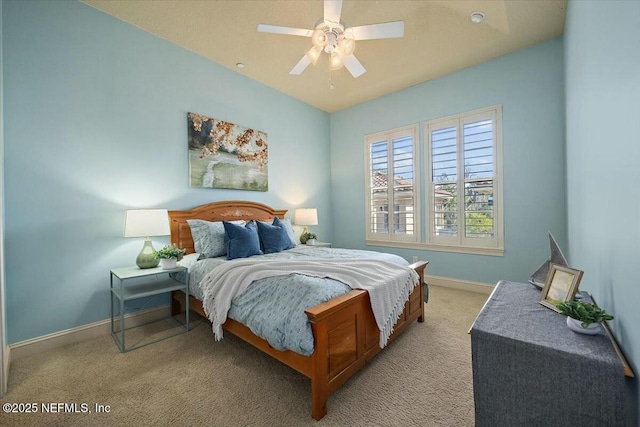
<point x="305" y="230"/>
<point x="145" y="258"/>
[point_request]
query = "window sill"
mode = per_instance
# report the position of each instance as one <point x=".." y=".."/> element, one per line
<point x="439" y="248"/>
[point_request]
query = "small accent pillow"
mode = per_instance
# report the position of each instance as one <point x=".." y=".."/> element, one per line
<point x="241" y="242"/>
<point x="209" y="237"/>
<point x="274" y="237"/>
<point x="289" y="227"/>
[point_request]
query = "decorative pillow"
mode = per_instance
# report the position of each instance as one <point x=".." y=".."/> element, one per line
<point x="208" y="237"/>
<point x="289" y="227"/>
<point x="241" y="242"/>
<point x="274" y="237"/>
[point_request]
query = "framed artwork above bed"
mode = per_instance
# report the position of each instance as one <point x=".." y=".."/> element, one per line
<point x="226" y="155"/>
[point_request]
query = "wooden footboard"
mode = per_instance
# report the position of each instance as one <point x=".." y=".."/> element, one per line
<point x="346" y="337"/>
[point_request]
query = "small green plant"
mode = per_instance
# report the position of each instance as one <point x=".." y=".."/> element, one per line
<point x="168" y="252"/>
<point x="584" y="312"/>
<point x="307" y="236"/>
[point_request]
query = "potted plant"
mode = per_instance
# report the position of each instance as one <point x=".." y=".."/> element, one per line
<point x="169" y="256"/>
<point x="583" y="317"/>
<point x="308" y="238"/>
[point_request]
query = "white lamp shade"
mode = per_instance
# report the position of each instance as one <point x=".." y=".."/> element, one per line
<point x="146" y="222"/>
<point x="306" y="217"/>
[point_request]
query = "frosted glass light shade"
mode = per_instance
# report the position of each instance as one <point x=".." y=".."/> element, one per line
<point x="313" y="54"/>
<point x="336" y="62"/>
<point x="347" y="46"/>
<point x="319" y="38"/>
<point x="306" y="217"/>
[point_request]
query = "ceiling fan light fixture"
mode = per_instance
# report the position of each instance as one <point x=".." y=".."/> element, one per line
<point x="347" y="46"/>
<point x="336" y="62"/>
<point x="314" y="53"/>
<point x="319" y="38"/>
<point x="332" y="36"/>
<point x="348" y="33"/>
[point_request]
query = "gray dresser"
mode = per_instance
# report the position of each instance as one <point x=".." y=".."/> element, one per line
<point x="530" y="369"/>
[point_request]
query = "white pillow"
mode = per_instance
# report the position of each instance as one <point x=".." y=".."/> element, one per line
<point x="208" y="237"/>
<point x="289" y="227"/>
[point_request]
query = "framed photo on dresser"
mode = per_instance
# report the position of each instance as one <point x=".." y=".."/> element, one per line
<point x="561" y="285"/>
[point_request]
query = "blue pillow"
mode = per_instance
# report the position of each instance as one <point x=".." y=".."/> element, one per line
<point x="241" y="242"/>
<point x="274" y="237"/>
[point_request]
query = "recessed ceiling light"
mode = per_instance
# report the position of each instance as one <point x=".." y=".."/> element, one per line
<point x="239" y="65"/>
<point x="477" y="17"/>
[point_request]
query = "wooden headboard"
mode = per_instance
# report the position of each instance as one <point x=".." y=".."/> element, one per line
<point x="217" y="211"/>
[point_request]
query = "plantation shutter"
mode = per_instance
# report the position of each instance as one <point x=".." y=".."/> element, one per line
<point x="444" y="181"/>
<point x="403" y="180"/>
<point x="379" y="192"/>
<point x="391" y="197"/>
<point x="462" y="180"/>
<point x="478" y="143"/>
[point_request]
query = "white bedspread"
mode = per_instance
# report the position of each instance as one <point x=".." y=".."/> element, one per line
<point x="389" y="285"/>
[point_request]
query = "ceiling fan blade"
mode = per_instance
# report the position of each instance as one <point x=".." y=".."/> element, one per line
<point x="300" y="66"/>
<point x="332" y="10"/>
<point x="264" y="28"/>
<point x="388" y="30"/>
<point x="354" y="66"/>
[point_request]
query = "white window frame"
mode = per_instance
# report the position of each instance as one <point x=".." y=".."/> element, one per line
<point x="460" y="243"/>
<point x="391" y="237"/>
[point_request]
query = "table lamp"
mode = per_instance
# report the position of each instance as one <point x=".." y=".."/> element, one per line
<point x="146" y="223"/>
<point x="306" y="216"/>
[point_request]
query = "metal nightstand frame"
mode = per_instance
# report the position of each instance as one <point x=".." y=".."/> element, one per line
<point x="142" y="289"/>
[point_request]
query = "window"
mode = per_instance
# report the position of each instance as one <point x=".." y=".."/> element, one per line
<point x="464" y="197"/>
<point x="391" y="170"/>
<point x="462" y="209"/>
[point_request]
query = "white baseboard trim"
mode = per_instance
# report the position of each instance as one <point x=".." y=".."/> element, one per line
<point x="5" y="377"/>
<point x="465" y="285"/>
<point x="92" y="330"/>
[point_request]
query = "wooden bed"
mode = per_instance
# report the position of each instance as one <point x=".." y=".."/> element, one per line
<point x="345" y="332"/>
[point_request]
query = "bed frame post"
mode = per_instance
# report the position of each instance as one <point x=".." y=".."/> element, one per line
<point x="320" y="371"/>
<point x="419" y="268"/>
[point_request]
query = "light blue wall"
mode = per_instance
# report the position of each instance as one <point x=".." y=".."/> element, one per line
<point x="602" y="42"/>
<point x="95" y="123"/>
<point x="3" y="298"/>
<point x="529" y="85"/>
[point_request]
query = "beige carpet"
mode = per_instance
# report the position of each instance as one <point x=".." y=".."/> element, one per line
<point x="422" y="379"/>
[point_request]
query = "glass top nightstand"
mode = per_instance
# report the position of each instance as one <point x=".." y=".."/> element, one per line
<point x="321" y="244"/>
<point x="129" y="283"/>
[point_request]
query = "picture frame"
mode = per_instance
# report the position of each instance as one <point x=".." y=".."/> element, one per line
<point x="561" y="285"/>
<point x="226" y="155"/>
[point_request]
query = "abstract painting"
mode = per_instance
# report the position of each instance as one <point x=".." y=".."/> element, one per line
<point x="226" y="155"/>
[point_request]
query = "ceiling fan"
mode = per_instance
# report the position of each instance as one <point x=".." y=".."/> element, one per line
<point x="331" y="36"/>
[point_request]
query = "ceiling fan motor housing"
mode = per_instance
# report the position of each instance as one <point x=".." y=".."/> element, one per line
<point x="328" y="35"/>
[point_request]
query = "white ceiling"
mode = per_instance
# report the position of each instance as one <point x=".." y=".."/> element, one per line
<point x="439" y="38"/>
